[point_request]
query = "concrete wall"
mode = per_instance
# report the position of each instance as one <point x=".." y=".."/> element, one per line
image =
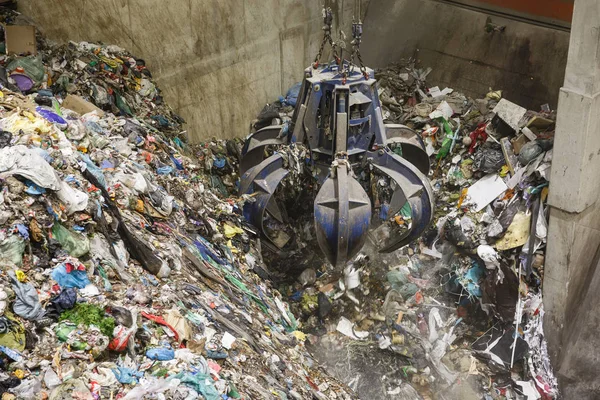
<point x="217" y="62"/>
<point x="526" y="61"/>
<point x="572" y="277"/>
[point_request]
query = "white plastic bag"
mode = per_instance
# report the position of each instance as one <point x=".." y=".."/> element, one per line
<point x="74" y="199"/>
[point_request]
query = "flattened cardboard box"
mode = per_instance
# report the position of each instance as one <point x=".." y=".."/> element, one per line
<point x="20" y="39"/>
<point x="80" y="105"/>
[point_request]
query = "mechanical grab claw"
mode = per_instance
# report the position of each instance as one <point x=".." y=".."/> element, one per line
<point x="353" y="154"/>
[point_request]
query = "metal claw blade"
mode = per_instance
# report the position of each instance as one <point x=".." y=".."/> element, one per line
<point x="412" y="187"/>
<point x="342" y="216"/>
<point x="262" y="181"/>
<point x="254" y="148"/>
<point x="413" y="148"/>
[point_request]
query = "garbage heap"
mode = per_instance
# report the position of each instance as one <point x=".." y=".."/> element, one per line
<point x="464" y="303"/>
<point x="127" y="270"/>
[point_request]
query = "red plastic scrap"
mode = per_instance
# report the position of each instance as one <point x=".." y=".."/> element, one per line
<point x="478" y="135"/>
<point x="161" y="321"/>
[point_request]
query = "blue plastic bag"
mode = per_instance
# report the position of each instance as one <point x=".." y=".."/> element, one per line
<point x="53" y="117"/>
<point x="127" y="376"/>
<point x="160" y="354"/>
<point x="291" y="97"/>
<point x="93" y="168"/>
<point x="76" y="278"/>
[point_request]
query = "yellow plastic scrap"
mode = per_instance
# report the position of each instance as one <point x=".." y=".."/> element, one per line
<point x="232" y="247"/>
<point x="19" y="373"/>
<point x="494" y="94"/>
<point x="230" y="231"/>
<point x="21" y="275"/>
<point x="139" y="206"/>
<point x="301" y="336"/>
<point x="504" y="171"/>
<point x="517" y="233"/>
<point x="113" y="63"/>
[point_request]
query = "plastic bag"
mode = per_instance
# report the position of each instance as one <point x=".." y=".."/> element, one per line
<point x="71" y="389"/>
<point x="529" y="152"/>
<point x="28" y="389"/>
<point x="93" y="168"/>
<point x="27" y="303"/>
<point x="32" y="65"/>
<point x="153" y="386"/>
<point x="160" y="354"/>
<point x="19" y="160"/>
<point x="127" y="376"/>
<point x="51" y="379"/>
<point x="135" y="182"/>
<point x="201" y="383"/>
<point x="122" y="335"/>
<point x="291" y="97"/>
<point x="74" y="279"/>
<point x="74" y="199"/>
<point x="489" y="158"/>
<point x="11" y="250"/>
<point x="73" y="243"/>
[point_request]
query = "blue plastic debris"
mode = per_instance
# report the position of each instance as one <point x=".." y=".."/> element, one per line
<point x="127" y="376"/>
<point x="291" y="97"/>
<point x="52" y="117"/>
<point x="23" y="231"/>
<point x="33" y="189"/>
<point x="166" y="170"/>
<point x="93" y="168"/>
<point x="160" y="354"/>
<point x="219" y="162"/>
<point x="76" y="278"/>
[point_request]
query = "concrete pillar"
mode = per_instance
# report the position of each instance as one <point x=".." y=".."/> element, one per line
<point x="571" y="279"/>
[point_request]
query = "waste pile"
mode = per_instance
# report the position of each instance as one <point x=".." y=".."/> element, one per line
<point x="464" y="303"/>
<point x="127" y="270"/>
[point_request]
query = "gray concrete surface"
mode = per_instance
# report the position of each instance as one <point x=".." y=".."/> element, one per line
<point x="526" y="61"/>
<point x="218" y="62"/>
<point x="572" y="278"/>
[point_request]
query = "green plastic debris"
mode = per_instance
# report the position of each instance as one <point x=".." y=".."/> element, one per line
<point x="74" y="243"/>
<point x="201" y="383"/>
<point x="233" y="393"/>
<point x="309" y="303"/>
<point x="11" y="250"/>
<point x="63" y="330"/>
<point x="32" y="65"/>
<point x="90" y="314"/>
<point x="406" y="210"/>
<point x="14" y="338"/>
<point x="447" y="143"/>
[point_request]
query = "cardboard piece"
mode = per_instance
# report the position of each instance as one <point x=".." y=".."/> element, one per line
<point x="510" y="113"/>
<point x="518" y="143"/>
<point x="80" y="105"/>
<point x="486" y="190"/>
<point x="509" y="155"/>
<point x="20" y="39"/>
